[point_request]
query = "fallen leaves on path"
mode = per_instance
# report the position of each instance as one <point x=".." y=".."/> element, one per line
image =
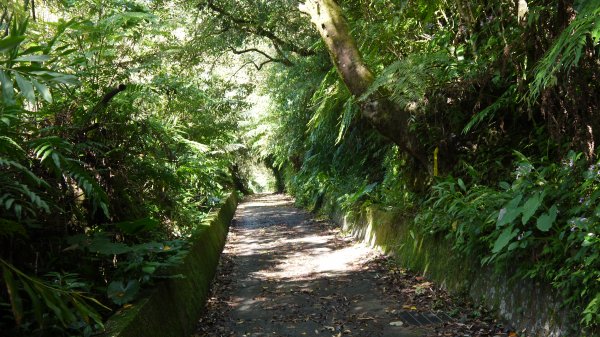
<point x="285" y="274"/>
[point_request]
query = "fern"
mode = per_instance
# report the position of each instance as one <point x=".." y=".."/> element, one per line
<point x="51" y="153"/>
<point x="407" y="80"/>
<point x="503" y="101"/>
<point x="44" y="297"/>
<point x="350" y="112"/>
<point x="325" y="99"/>
<point x="566" y="52"/>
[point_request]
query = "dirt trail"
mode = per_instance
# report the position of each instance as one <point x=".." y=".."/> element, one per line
<point x="283" y="273"/>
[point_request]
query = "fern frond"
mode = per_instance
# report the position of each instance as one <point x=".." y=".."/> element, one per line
<point x="51" y="153"/>
<point x="24" y="170"/>
<point x="566" y="52"/>
<point x="350" y="112"/>
<point x="407" y="80"/>
<point x="324" y="99"/>
<point x="504" y="100"/>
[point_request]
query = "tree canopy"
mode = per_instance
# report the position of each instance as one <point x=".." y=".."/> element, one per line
<point x="123" y="123"/>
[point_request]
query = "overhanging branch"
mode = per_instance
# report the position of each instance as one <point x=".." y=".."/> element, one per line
<point x="270" y="58"/>
<point x="256" y="28"/>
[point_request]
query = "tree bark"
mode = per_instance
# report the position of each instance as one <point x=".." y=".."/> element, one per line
<point x="390" y="120"/>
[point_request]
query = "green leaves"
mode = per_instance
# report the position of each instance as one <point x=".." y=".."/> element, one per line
<point x="505" y="237"/>
<point x="67" y="303"/>
<point x="137" y="226"/>
<point x="122" y="293"/>
<point x="546" y="220"/>
<point x="27" y="77"/>
<point x="32" y="58"/>
<point x="42" y="90"/>
<point x="7" y="88"/>
<point x="10" y="43"/>
<point x="531" y="206"/>
<point x="13" y="293"/>
<point x="566" y="51"/>
<point x="510" y="212"/>
<point x="26" y="88"/>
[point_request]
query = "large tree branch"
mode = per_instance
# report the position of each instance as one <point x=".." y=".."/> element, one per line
<point x="103" y="103"/>
<point x="256" y="28"/>
<point x="390" y="120"/>
<point x="269" y="58"/>
<point x="100" y="106"/>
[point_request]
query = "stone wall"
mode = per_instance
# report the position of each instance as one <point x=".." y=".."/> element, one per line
<point x="173" y="307"/>
<point x="524" y="304"/>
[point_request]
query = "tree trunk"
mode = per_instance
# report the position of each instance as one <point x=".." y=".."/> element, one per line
<point x="390" y="120"/>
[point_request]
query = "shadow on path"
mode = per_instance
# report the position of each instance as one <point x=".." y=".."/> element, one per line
<point x="283" y="273"/>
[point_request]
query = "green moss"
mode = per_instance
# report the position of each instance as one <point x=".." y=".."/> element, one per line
<point x="173" y="307"/>
<point x="395" y="233"/>
<point x="525" y="303"/>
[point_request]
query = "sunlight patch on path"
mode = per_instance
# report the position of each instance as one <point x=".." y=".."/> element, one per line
<point x="292" y="275"/>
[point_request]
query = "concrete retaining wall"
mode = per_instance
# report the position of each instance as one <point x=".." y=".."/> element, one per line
<point x="173" y="307"/>
<point x="525" y="304"/>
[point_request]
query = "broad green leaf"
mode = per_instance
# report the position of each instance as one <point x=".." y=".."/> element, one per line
<point x="136" y="226"/>
<point x="507" y="234"/>
<point x="43" y="90"/>
<point x="67" y="79"/>
<point x="546" y="220"/>
<point x="531" y="206"/>
<point x="26" y="87"/>
<point x="122" y="293"/>
<point x="30" y="51"/>
<point x="10" y="42"/>
<point x="56" y="159"/>
<point x="7" y="88"/>
<point x="32" y="58"/>
<point x="13" y="294"/>
<point x="510" y="212"/>
<point x="461" y="184"/>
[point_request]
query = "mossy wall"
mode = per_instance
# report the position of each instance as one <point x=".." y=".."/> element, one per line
<point x="524" y="304"/>
<point x="173" y="307"/>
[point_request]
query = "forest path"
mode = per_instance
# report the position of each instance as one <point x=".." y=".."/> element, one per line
<point x="283" y="273"/>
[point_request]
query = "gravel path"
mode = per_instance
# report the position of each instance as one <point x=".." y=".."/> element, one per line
<point x="283" y="273"/>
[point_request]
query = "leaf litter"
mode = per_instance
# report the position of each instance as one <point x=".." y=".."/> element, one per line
<point x="273" y="280"/>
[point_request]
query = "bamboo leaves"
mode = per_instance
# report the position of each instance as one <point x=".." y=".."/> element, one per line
<point x="15" y="300"/>
<point x="26" y="88"/>
<point x="27" y="70"/>
<point x="44" y="297"/>
<point x="566" y="51"/>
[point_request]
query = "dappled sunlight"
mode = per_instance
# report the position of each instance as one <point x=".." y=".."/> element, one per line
<point x="294" y="250"/>
<point x="293" y="276"/>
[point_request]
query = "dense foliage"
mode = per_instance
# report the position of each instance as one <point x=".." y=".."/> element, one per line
<point x="122" y="123"/>
<point x="112" y="151"/>
<point x="491" y="86"/>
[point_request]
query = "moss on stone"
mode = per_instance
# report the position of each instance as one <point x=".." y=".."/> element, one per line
<point x="173" y="307"/>
<point x="524" y="303"/>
